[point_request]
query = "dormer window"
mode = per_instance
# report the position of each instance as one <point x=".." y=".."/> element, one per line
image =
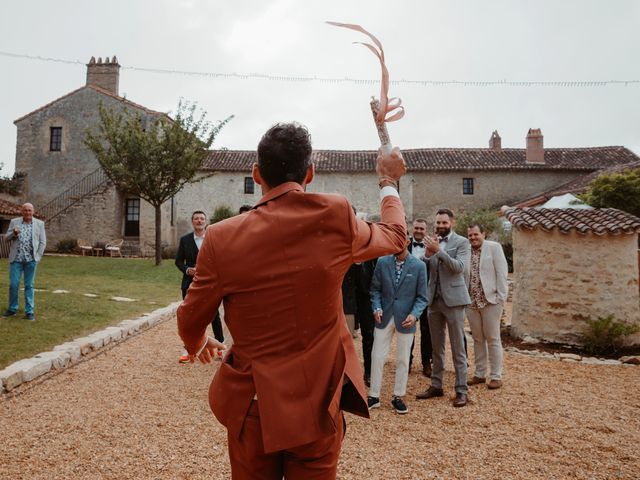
<point x="55" y="140"/>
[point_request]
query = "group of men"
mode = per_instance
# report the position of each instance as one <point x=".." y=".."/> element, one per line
<point x="434" y="281"/>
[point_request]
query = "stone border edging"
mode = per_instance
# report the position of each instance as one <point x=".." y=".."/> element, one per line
<point x="71" y="353"/>
<point x="574" y="358"/>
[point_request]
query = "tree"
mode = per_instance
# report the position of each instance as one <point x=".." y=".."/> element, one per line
<point x="222" y="213"/>
<point x="615" y="190"/>
<point x="153" y="157"/>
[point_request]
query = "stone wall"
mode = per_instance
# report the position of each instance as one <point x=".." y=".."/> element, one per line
<point x="97" y="219"/>
<point x="434" y="190"/>
<point x="562" y="279"/>
<point x="422" y="193"/>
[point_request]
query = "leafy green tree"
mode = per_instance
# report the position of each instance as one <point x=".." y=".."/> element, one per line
<point x="153" y="157"/>
<point x="616" y="190"/>
<point x="494" y="228"/>
<point x="488" y="218"/>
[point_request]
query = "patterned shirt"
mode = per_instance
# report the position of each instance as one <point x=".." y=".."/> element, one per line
<point x="25" y="243"/>
<point x="399" y="267"/>
<point x="478" y="298"/>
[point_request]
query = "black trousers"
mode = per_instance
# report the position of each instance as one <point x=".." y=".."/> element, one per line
<point x="364" y="316"/>
<point x="426" y="349"/>
<point x="216" y="323"/>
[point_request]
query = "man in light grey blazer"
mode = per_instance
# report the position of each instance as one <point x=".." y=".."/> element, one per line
<point x="488" y="290"/>
<point x="448" y="255"/>
<point x="28" y="241"/>
<point x="398" y="297"/>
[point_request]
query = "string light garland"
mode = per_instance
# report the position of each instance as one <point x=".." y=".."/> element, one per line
<point x="355" y="81"/>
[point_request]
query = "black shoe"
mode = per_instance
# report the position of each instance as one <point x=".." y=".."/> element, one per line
<point x="373" y="402"/>
<point x="367" y="380"/>
<point x="430" y="392"/>
<point x="30" y="316"/>
<point x="8" y="313"/>
<point x="399" y="405"/>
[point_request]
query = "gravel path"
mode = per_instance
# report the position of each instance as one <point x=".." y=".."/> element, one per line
<point x="134" y="412"/>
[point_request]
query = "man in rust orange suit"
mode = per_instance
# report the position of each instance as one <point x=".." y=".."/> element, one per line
<point x="293" y="368"/>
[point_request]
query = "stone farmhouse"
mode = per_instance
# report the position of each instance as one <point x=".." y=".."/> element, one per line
<point x="65" y="183"/>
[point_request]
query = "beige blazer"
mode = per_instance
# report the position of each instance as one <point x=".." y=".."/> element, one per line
<point x="38" y="238"/>
<point x="493" y="272"/>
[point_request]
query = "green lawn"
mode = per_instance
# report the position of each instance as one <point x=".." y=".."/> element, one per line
<point x="64" y="316"/>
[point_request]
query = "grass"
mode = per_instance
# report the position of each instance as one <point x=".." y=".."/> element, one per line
<point x="64" y="316"/>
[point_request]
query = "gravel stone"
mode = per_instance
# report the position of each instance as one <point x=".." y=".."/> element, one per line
<point x="134" y="412"/>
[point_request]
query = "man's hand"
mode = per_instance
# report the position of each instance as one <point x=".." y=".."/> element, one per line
<point x="409" y="321"/>
<point x="16" y="231"/>
<point x="209" y="352"/>
<point x="391" y="166"/>
<point x="433" y="244"/>
<point x="377" y="315"/>
<point x="191" y="271"/>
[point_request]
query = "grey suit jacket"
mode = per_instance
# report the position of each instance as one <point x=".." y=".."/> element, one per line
<point x="409" y="297"/>
<point x="450" y="267"/>
<point x="39" y="238"/>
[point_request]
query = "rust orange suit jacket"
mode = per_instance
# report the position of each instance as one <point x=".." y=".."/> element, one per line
<point x="279" y="269"/>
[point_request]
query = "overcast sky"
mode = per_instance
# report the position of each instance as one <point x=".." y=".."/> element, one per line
<point x="514" y="40"/>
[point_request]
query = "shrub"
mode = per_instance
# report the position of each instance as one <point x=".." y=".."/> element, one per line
<point x="605" y="334"/>
<point x="494" y="228"/>
<point x="222" y="212"/>
<point x="488" y="218"/>
<point x="169" y="253"/>
<point x="67" y="245"/>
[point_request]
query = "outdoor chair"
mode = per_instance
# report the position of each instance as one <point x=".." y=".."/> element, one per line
<point x="114" y="247"/>
<point x="84" y="247"/>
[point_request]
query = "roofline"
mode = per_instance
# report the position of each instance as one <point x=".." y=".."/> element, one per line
<point x="99" y="90"/>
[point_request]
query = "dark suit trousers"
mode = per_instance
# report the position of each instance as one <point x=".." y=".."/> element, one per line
<point x="426" y="350"/>
<point x="216" y="323"/>
<point x="364" y="316"/>
<point x="314" y="461"/>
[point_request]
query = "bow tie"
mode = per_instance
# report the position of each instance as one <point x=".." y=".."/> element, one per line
<point x="416" y="244"/>
<point x="443" y="239"/>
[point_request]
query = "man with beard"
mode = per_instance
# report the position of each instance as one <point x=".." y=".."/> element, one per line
<point x="488" y="290"/>
<point x="448" y="256"/>
<point x="418" y="248"/>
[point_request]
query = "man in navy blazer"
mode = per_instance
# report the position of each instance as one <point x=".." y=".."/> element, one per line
<point x="398" y="298"/>
<point x="186" y="262"/>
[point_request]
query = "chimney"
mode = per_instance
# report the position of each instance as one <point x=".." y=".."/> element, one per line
<point x="535" y="149"/>
<point x="495" y="142"/>
<point x="105" y="75"/>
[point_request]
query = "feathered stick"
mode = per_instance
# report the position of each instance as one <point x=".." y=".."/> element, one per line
<point x="386" y="109"/>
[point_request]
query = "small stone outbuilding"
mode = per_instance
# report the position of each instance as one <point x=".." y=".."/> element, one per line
<point x="571" y="265"/>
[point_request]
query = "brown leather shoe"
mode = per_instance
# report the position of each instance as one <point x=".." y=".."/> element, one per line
<point x="430" y="392"/>
<point x="426" y="371"/>
<point x="460" y="400"/>
<point x="476" y="380"/>
<point x="494" y="384"/>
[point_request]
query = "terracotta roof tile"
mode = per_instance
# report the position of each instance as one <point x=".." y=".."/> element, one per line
<point x="97" y="89"/>
<point x="424" y="159"/>
<point x="600" y="221"/>
<point x="10" y="208"/>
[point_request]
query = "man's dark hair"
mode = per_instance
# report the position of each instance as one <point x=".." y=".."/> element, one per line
<point x="244" y="208"/>
<point x="284" y="154"/>
<point x="198" y="212"/>
<point x="420" y="220"/>
<point x="445" y="211"/>
<point x="478" y="225"/>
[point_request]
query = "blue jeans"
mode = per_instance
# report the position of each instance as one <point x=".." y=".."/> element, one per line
<point x="16" y="269"/>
